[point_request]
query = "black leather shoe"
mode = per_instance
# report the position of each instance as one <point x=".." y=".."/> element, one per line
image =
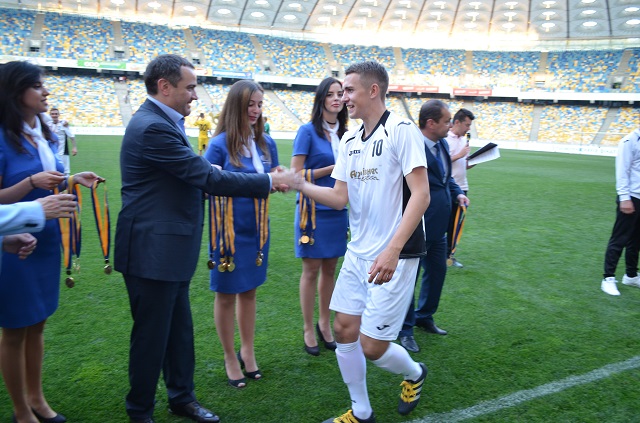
<point x="430" y="326"/>
<point x="409" y="343"/>
<point x="328" y="345"/>
<point x="147" y="420"/>
<point x="58" y="418"/>
<point x="195" y="412"/>
<point x="315" y="351"/>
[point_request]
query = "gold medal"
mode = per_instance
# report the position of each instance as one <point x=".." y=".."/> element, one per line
<point x="304" y="239"/>
<point x="222" y="267"/>
<point x="211" y="264"/>
<point x="231" y="266"/>
<point x="258" y="261"/>
<point x="311" y="241"/>
<point x="449" y="262"/>
<point x="108" y="269"/>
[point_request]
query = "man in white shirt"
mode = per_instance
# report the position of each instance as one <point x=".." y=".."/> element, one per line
<point x="459" y="151"/>
<point x="65" y="134"/>
<point x="30" y="216"/>
<point x="381" y="172"/>
<point x="626" y="230"/>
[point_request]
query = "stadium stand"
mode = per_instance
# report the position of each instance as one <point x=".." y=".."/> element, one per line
<point x="226" y="50"/>
<point x="633" y="83"/>
<point x="625" y="122"/>
<point x="299" y="102"/>
<point x="301" y="59"/>
<point x="505" y="69"/>
<point x="582" y="71"/>
<point x="15" y="29"/>
<point x="503" y="121"/>
<point x="348" y="54"/>
<point x="414" y="104"/>
<point x="84" y="100"/>
<point x="433" y="67"/>
<point x="570" y="124"/>
<point x="75" y="37"/>
<point x="148" y="41"/>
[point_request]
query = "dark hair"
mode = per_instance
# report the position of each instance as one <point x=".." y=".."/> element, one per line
<point x="432" y="109"/>
<point x="165" y="66"/>
<point x="15" y="79"/>
<point x="462" y="114"/>
<point x="371" y="73"/>
<point x="234" y="120"/>
<point x="318" y="108"/>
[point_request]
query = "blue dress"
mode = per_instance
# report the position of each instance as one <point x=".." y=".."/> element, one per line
<point x="330" y="235"/>
<point x="30" y="288"/>
<point x="247" y="275"/>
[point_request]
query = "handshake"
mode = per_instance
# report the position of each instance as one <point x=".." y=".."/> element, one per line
<point x="283" y="179"/>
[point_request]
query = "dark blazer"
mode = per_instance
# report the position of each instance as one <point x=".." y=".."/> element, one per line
<point x="442" y="188"/>
<point x="160" y="225"/>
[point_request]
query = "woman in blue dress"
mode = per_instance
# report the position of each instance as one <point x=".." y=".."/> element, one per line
<point x="242" y="251"/>
<point x="29" y="289"/>
<point x="314" y="151"/>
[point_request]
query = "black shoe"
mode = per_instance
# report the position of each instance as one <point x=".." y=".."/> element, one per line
<point x="430" y="326"/>
<point x="411" y="390"/>
<point x="315" y="351"/>
<point x="58" y="418"/>
<point x="328" y="345"/>
<point x="146" y="420"/>
<point x="409" y="343"/>
<point x="255" y="375"/>
<point x="195" y="412"/>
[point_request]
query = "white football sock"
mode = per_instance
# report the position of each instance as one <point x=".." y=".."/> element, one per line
<point x="397" y="360"/>
<point x="353" y="367"/>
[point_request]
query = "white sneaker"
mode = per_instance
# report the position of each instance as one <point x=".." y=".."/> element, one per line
<point x="631" y="281"/>
<point x="608" y="285"/>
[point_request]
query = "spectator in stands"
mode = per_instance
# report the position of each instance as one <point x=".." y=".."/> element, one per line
<point x="204" y="130"/>
<point x="240" y="145"/>
<point x="434" y="121"/>
<point x="459" y="151"/>
<point x="318" y="236"/>
<point x="65" y="134"/>
<point x="626" y="229"/>
<point x="267" y="126"/>
<point x="29" y="289"/>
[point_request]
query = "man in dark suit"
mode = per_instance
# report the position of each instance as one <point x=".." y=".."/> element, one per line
<point x="434" y="122"/>
<point x="159" y="233"/>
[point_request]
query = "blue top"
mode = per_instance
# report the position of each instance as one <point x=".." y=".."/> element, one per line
<point x="30" y="288"/>
<point x="319" y="154"/>
<point x="247" y="274"/>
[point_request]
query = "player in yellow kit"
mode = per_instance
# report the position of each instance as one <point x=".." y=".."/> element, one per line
<point x="204" y="127"/>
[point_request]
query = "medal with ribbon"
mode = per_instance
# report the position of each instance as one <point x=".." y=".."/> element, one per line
<point x="221" y="218"/>
<point x="458" y="225"/>
<point x="262" y="226"/>
<point x="307" y="207"/>
<point x="103" y="222"/>
<point x="213" y="235"/>
<point x="71" y="233"/>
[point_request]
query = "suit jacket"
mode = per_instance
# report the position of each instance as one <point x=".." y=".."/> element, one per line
<point x="160" y="225"/>
<point x="443" y="188"/>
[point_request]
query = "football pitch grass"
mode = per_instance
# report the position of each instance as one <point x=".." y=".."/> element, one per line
<point x="531" y="336"/>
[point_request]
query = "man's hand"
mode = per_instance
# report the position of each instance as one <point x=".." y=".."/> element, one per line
<point x="284" y="179"/>
<point x="20" y="244"/>
<point x="384" y="266"/>
<point x="463" y="200"/>
<point x="87" y="179"/>
<point x="626" y="207"/>
<point x="74" y="151"/>
<point x="56" y="206"/>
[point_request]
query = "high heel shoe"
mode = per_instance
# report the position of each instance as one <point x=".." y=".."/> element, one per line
<point x="58" y="418"/>
<point x="255" y="375"/>
<point x="236" y="383"/>
<point x="314" y="351"/>
<point x="328" y="345"/>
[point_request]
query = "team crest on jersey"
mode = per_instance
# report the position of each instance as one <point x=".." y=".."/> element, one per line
<point x="365" y="174"/>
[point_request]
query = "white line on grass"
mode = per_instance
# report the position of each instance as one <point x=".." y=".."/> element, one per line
<point x="530" y="394"/>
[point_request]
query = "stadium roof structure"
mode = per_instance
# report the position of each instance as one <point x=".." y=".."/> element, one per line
<point x="393" y="19"/>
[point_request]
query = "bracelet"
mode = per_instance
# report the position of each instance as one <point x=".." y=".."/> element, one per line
<point x="33" y="186"/>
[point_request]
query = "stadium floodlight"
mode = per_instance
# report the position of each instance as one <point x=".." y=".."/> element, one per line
<point x="509" y="26"/>
<point x="440" y="4"/>
<point x="154" y="5"/>
<point x="470" y="25"/>
<point x="117" y="2"/>
<point x="257" y="15"/>
<point x="406" y="3"/>
<point x="224" y="11"/>
<point x="633" y="22"/>
<point x="289" y="17"/>
<point x="588" y="12"/>
<point x="190" y="8"/>
<point x="433" y="25"/>
<point x="262" y="2"/>
<point x="548" y="3"/>
<point x="295" y="5"/>
<point x="438" y="15"/>
<point x="632" y="9"/>
<point x="473" y="15"/>
<point x="589" y="24"/>
<point x="588" y="1"/>
<point x="548" y="14"/>
<point x="510" y="15"/>
<point x="475" y="4"/>
<point x="511" y="4"/>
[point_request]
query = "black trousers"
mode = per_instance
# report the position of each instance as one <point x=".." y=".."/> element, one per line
<point x="161" y="340"/>
<point x="625" y="235"/>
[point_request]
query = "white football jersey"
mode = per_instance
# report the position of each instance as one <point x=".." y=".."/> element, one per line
<point x="374" y="170"/>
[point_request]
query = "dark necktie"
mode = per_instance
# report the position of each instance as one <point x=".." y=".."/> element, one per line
<point x="439" y="160"/>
